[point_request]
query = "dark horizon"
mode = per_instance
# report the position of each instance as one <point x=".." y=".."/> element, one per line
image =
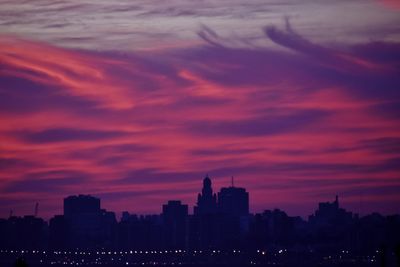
<point x="221" y="231"/>
<point x="36" y="207"/>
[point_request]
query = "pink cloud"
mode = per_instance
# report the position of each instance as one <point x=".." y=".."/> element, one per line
<point x="139" y="129"/>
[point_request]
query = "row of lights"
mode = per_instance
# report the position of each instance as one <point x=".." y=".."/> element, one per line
<point x="126" y="263"/>
<point x="114" y="252"/>
<point x="22" y="251"/>
<point x="137" y="252"/>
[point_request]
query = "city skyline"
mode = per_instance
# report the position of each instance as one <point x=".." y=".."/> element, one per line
<point x="134" y="101"/>
<point x="120" y="212"/>
<point x="215" y="199"/>
<point x="220" y="231"/>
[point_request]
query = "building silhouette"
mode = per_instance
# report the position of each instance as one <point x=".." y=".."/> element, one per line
<point x="27" y="232"/>
<point x="175" y="221"/>
<point x="140" y="232"/>
<point x="233" y="201"/>
<point x="220" y="223"/>
<point x="81" y="205"/>
<point x="58" y="228"/>
<point x="206" y="200"/>
<point x="332" y="226"/>
<point x="87" y="224"/>
<point x="330" y="213"/>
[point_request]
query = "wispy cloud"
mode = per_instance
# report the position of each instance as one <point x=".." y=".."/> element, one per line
<point x="143" y="24"/>
<point x="315" y="116"/>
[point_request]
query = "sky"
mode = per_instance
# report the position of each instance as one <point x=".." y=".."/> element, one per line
<point x="136" y="101"/>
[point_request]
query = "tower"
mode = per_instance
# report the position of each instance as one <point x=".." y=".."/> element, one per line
<point x="336" y="203"/>
<point x="206" y="200"/>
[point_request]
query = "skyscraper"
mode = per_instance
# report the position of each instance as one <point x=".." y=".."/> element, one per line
<point x="88" y="225"/>
<point x="206" y="201"/>
<point x="175" y="216"/>
<point x="81" y="204"/>
<point x="233" y="201"/>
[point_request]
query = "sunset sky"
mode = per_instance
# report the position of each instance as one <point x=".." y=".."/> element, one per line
<point x="136" y="101"/>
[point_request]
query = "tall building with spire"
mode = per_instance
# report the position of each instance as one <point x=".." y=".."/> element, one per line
<point x="233" y="201"/>
<point x="206" y="200"/>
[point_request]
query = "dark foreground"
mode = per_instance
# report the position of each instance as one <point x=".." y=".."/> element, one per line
<point x="280" y="258"/>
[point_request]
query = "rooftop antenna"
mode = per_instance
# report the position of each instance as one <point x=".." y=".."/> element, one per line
<point x="36" y="209"/>
<point x="232" y="182"/>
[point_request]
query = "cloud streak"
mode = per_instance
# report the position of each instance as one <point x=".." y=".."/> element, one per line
<point x="300" y="113"/>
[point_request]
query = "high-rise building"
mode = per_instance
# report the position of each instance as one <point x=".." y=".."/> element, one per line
<point x="81" y="204"/>
<point x="58" y="232"/>
<point x="174" y="209"/>
<point x="233" y="201"/>
<point x="88" y="225"/>
<point x="206" y="200"/>
<point x="206" y="223"/>
<point x="331" y="225"/>
<point x="174" y="217"/>
<point x="330" y="212"/>
<point x="28" y="232"/>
